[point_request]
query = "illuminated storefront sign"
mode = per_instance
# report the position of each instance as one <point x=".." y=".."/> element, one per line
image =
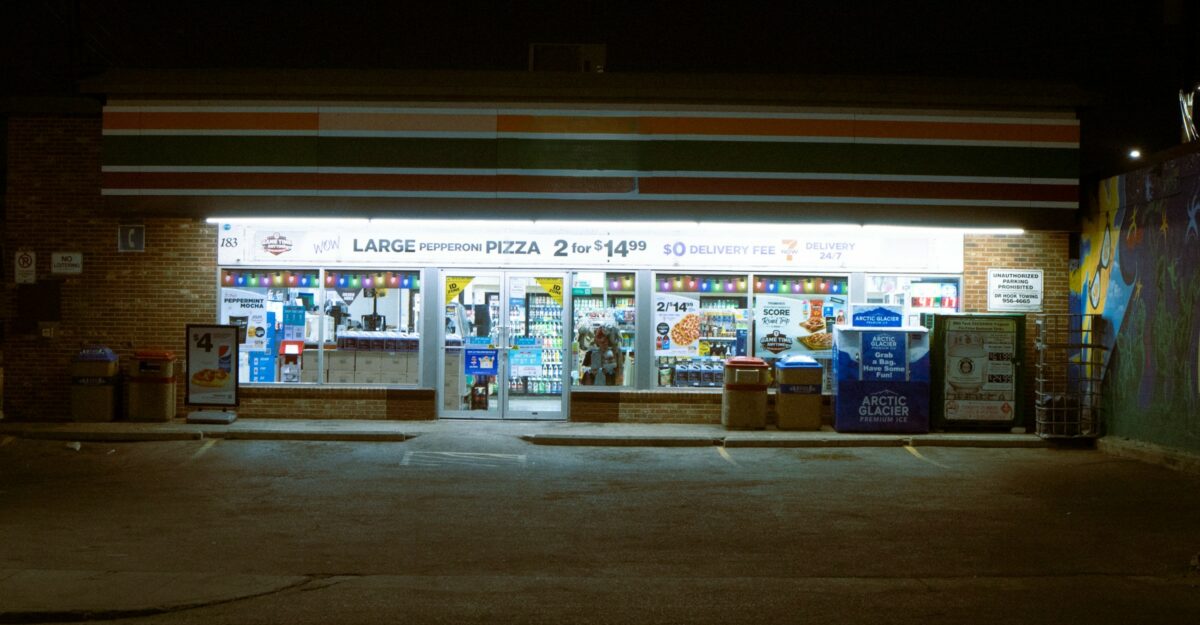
<point x="568" y="244"/>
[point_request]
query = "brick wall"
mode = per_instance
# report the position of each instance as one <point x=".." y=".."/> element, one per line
<point x="127" y="301"/>
<point x="337" y="403"/>
<point x="646" y="407"/>
<point x="662" y="407"/>
<point x="1048" y="251"/>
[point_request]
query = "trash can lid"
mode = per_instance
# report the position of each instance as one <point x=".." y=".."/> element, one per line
<point x="96" y="353"/>
<point x="797" y="362"/>
<point x="746" y="362"/>
<point x="154" y="354"/>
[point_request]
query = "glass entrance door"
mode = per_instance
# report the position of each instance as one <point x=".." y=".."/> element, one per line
<point x="504" y="344"/>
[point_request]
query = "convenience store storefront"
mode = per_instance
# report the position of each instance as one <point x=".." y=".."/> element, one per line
<point x="488" y="247"/>
<point x="510" y="328"/>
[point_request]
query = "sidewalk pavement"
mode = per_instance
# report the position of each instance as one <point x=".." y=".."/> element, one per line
<point x="535" y="432"/>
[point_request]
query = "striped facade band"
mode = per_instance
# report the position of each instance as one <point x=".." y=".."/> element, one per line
<point x="897" y="158"/>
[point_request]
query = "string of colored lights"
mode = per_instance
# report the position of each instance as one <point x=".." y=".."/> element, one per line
<point x="762" y="284"/>
<point x="259" y="278"/>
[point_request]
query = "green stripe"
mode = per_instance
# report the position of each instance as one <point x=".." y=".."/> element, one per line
<point x="275" y="151"/>
<point x="210" y="150"/>
<point x="389" y="152"/>
<point x="700" y="156"/>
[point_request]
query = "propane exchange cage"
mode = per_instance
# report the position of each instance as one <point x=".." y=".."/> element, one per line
<point x="1070" y="371"/>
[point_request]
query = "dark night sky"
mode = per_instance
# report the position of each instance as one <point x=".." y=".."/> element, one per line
<point x="1135" y="55"/>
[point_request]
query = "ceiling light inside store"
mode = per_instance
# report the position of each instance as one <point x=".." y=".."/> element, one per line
<point x="932" y="230"/>
<point x="296" y="223"/>
<point x="598" y="228"/>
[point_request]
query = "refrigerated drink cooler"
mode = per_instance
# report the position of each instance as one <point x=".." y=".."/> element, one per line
<point x="881" y="377"/>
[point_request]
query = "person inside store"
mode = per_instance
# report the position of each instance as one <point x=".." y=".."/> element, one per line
<point x="603" y="359"/>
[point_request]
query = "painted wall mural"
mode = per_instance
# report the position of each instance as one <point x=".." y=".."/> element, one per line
<point x="1139" y="267"/>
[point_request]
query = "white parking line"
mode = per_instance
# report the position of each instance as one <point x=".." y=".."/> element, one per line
<point x="6" y="440"/>
<point x="203" y="448"/>
<point x="726" y="456"/>
<point x="459" y="458"/>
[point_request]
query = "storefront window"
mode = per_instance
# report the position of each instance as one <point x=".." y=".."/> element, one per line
<point x="700" y="320"/>
<point x="605" y="320"/>
<point x="316" y="327"/>
<point x="917" y="294"/>
<point x="795" y="315"/>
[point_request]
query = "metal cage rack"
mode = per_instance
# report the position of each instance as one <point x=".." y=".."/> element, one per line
<point x="1070" y="371"/>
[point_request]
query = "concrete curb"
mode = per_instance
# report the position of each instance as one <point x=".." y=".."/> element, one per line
<point x="275" y="435"/>
<point x="1150" y="453"/>
<point x="586" y="440"/>
<point x="771" y="440"/>
<point x="110" y="436"/>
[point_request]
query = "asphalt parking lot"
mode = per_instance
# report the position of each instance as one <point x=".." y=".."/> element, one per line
<point x="457" y="526"/>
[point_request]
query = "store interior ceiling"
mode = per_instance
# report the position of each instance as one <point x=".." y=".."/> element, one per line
<point x="1132" y="57"/>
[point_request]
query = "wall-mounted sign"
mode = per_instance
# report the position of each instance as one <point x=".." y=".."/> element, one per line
<point x="615" y="244"/>
<point x="25" y="267"/>
<point x="131" y="238"/>
<point x="1015" y="290"/>
<point x="66" y="263"/>
<point x="876" y="315"/>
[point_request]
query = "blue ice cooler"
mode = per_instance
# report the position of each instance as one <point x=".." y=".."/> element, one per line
<point x="880" y="379"/>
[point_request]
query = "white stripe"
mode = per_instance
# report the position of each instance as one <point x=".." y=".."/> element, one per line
<point x="633" y="195"/>
<point x="582" y="173"/>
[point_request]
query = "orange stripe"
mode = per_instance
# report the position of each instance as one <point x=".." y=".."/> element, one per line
<point x="554" y="124"/>
<point x="748" y="126"/>
<point x="763" y="127"/>
<point x="367" y="182"/>
<point x="209" y="121"/>
<point x="566" y="124"/>
<point x="399" y="122"/>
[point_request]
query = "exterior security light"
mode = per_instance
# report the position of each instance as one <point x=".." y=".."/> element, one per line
<point x="1135" y="154"/>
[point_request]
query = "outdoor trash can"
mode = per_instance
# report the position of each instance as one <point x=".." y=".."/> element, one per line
<point x="152" y="387"/>
<point x="798" y="402"/>
<point x="744" y="402"/>
<point x="94" y="384"/>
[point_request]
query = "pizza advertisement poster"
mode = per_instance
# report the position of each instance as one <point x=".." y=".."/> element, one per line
<point x="676" y="325"/>
<point x="212" y="362"/>
<point x="794" y="324"/>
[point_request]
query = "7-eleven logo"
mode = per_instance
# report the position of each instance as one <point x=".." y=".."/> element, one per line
<point x="789" y="248"/>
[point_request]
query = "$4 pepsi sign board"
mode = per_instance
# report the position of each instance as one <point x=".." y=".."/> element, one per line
<point x="212" y="365"/>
